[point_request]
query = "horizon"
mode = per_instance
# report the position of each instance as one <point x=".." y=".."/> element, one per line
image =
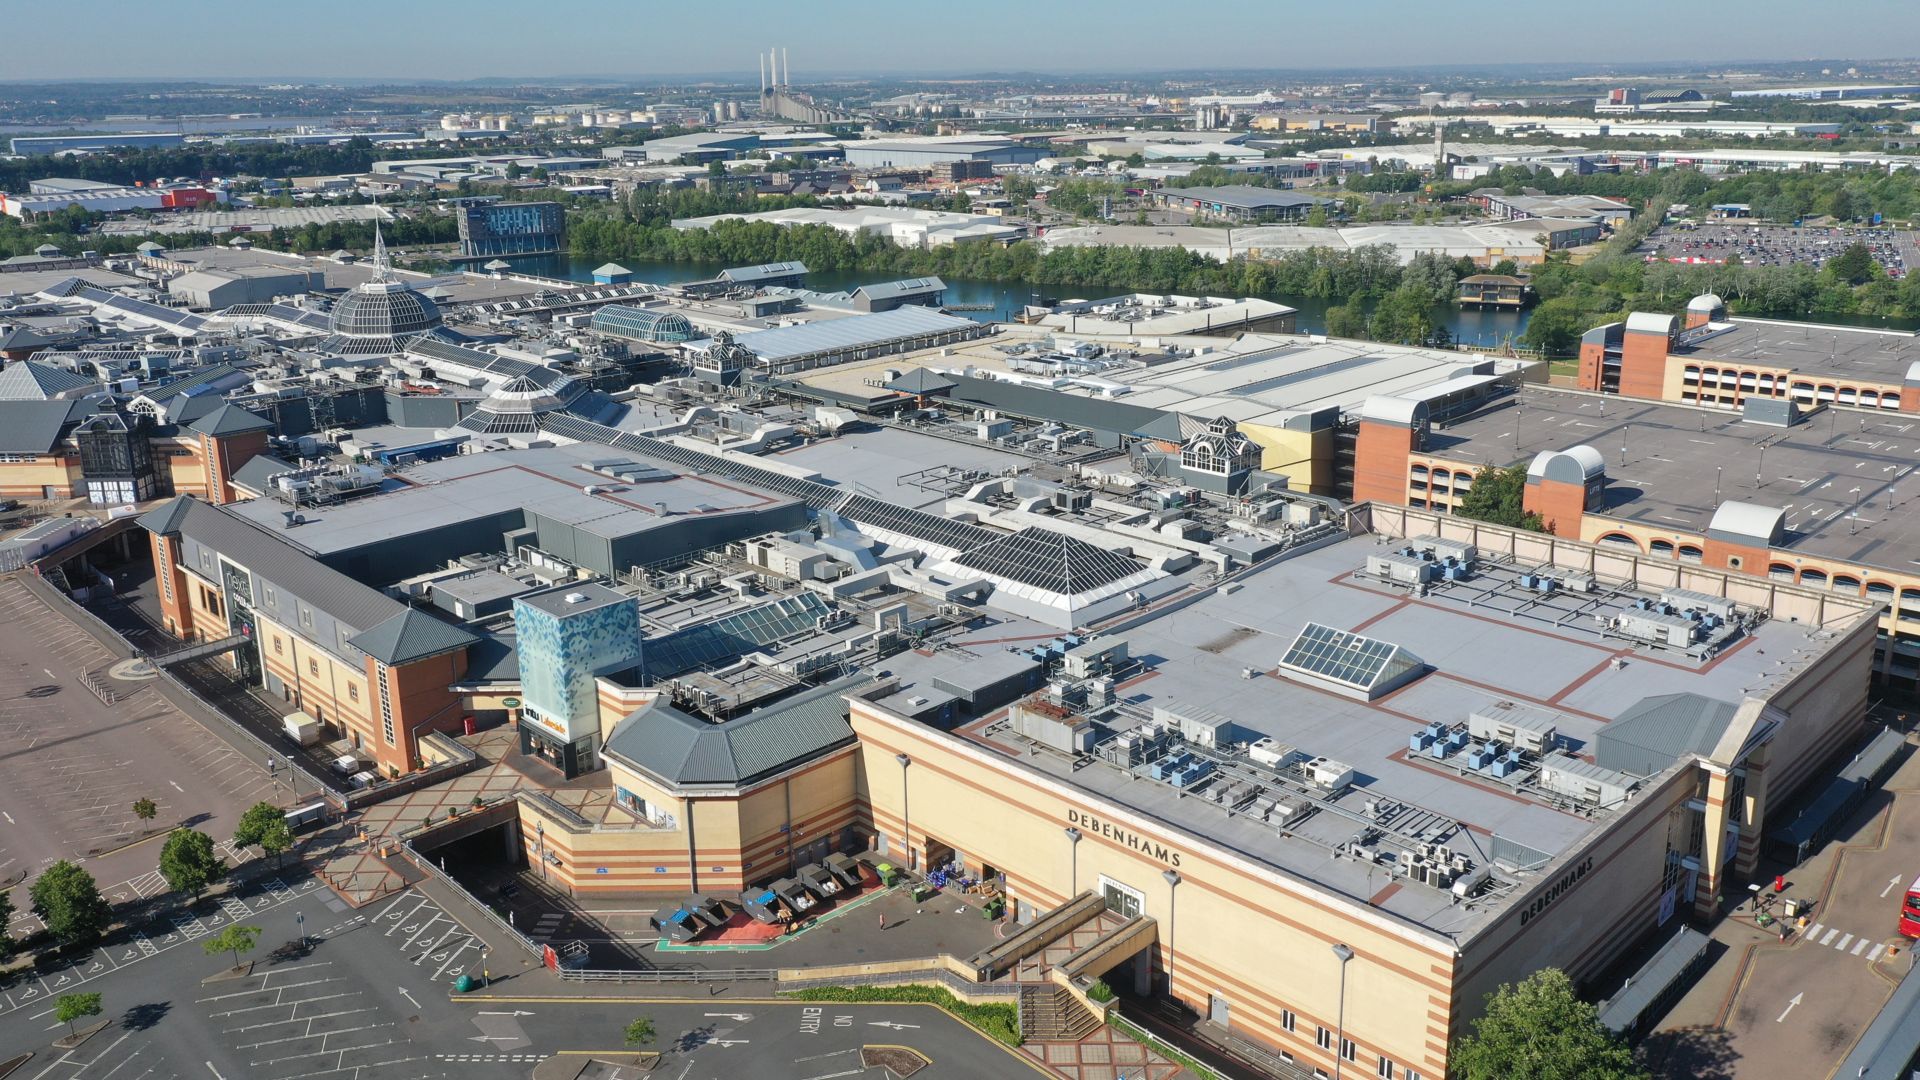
<point x="601" y="40"/>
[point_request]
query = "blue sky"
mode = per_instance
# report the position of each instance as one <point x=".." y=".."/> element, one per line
<point x="440" y="39"/>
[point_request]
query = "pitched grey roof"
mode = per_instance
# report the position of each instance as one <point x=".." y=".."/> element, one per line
<point x="230" y="419"/>
<point x="208" y="374"/>
<point x="411" y="635"/>
<point x="272" y="559"/>
<point x="253" y="475"/>
<point x="1050" y="560"/>
<point x="921" y="381"/>
<point x="31" y="380"/>
<point x="1657" y="730"/>
<point x="1036" y="403"/>
<point x="34" y="427"/>
<point x="683" y="749"/>
<point x="887" y="290"/>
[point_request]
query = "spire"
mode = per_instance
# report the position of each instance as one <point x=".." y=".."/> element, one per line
<point x="379" y="246"/>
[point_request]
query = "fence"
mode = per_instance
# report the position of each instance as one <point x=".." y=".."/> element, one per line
<point x="670" y="975"/>
<point x="512" y="932"/>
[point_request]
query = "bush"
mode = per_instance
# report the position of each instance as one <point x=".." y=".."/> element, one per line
<point x="1100" y="991"/>
<point x="997" y="1021"/>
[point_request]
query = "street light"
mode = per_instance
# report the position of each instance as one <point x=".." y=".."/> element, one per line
<point x="906" y="808"/>
<point x="300" y="920"/>
<point x="1345" y="953"/>
<point x="540" y="833"/>
<point x="1173" y="887"/>
<point x="1073" y="842"/>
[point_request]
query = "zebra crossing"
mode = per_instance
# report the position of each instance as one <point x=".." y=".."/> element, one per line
<point x="1833" y="937"/>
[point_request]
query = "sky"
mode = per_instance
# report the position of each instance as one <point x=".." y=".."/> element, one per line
<point x="444" y="39"/>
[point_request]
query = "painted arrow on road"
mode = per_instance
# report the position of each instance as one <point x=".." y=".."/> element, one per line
<point x="495" y="1038"/>
<point x="523" y="1012"/>
<point x="409" y="997"/>
<point x="1790" y="1007"/>
<point x="1892" y="884"/>
<point x="736" y="1017"/>
<point x="894" y="1024"/>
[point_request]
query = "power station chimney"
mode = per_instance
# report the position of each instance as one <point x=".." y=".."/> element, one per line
<point x="786" y="65"/>
<point x="763" y="74"/>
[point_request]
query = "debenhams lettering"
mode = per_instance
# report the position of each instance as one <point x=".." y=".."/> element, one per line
<point x="1121" y="836"/>
<point x="1555" y="891"/>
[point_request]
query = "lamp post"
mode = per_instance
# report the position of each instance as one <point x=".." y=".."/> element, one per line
<point x="300" y="920"/>
<point x="906" y="809"/>
<point x="1345" y="953"/>
<point x="1173" y="887"/>
<point x="1073" y="847"/>
<point x="540" y="833"/>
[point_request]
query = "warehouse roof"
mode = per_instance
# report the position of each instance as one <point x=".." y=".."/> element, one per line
<point x="850" y="334"/>
<point x="31" y="380"/>
<point x="1246" y="197"/>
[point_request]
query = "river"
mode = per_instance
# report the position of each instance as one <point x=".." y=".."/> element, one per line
<point x="1469" y="327"/>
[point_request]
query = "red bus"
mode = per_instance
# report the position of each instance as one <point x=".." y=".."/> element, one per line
<point x="1910" y="911"/>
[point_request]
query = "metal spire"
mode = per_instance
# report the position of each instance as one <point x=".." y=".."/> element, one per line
<point x="379" y="246"/>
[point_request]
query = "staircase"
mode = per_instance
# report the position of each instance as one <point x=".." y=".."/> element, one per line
<point x="1050" y="1014"/>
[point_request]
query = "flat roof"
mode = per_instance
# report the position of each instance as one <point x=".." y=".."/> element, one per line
<point x="875" y="459"/>
<point x="548" y="481"/>
<point x="1838" y="352"/>
<point x="1543" y="653"/>
<point x="1819" y="472"/>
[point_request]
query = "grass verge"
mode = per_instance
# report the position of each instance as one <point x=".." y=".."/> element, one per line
<point x="997" y="1021"/>
<point x="1160" y="1047"/>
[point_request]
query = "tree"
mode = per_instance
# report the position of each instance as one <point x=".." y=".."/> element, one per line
<point x="640" y="1031"/>
<point x="235" y="939"/>
<point x="6" y="917"/>
<point x="1497" y="496"/>
<point x="1840" y="205"/>
<point x="145" y="810"/>
<point x="70" y="1007"/>
<point x="264" y="825"/>
<point x="189" y="863"/>
<point x="1853" y="265"/>
<point x="1541" y="1030"/>
<point x="1346" y="321"/>
<point x="68" y="899"/>
<point x="1555" y="325"/>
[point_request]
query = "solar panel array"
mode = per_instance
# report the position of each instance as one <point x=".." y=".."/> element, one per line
<point x="299" y="316"/>
<point x="918" y="524"/>
<point x="1257" y="356"/>
<point x="185" y="322"/>
<point x="1050" y="560"/>
<point x="1349" y="659"/>
<point x="724" y="639"/>
<point x="506" y="367"/>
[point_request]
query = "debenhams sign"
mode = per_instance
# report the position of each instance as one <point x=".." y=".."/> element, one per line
<point x="1124" y="837"/>
<point x="1555" y="891"/>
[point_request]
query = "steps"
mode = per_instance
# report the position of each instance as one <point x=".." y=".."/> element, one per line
<point x="1051" y="1014"/>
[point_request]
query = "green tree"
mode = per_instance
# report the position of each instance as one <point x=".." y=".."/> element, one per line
<point x="189" y="863"/>
<point x="145" y="809"/>
<point x="6" y="917"/>
<point x="68" y="899"/>
<point x="1498" y="497"/>
<point x="1541" y="1030"/>
<point x="70" y="1007"/>
<point x="1853" y="265"/>
<point x="1405" y="317"/>
<point x="1840" y="205"/>
<point x="265" y="825"/>
<point x="1555" y="326"/>
<point x="640" y="1031"/>
<point x="1346" y="321"/>
<point x="235" y="939"/>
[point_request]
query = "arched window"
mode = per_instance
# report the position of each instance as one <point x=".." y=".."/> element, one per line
<point x="1690" y="553"/>
<point x="1784" y="572"/>
<point x="1660" y="547"/>
<point x="1615" y="539"/>
<point x="1846" y="583"/>
<point x="1813" y="577"/>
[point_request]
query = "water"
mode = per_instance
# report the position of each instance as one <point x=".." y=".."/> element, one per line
<point x="1007" y="298"/>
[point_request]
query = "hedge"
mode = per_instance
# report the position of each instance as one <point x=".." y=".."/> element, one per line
<point x="1000" y="1021"/>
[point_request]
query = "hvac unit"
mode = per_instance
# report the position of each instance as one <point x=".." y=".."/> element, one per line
<point x="1272" y="754"/>
<point x="1705" y="603"/>
<point x="1197" y="726"/>
<point x="1583" y="782"/>
<point x="1523" y="726"/>
<point x="1329" y="774"/>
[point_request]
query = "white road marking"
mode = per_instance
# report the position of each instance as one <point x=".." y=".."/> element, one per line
<point x="214" y="1071"/>
<point x="1790" y="1007"/>
<point x="409" y="997"/>
<point x="1892" y="884"/>
<point x="1860" y="946"/>
<point x="1842" y="943"/>
<point x="178" y="788"/>
<point x="9" y="817"/>
<point x="1875" y="954"/>
<point x="1829" y="936"/>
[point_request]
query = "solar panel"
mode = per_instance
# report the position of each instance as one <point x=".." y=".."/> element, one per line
<point x="1353" y="660"/>
<point x="918" y="524"/>
<point x="724" y="639"/>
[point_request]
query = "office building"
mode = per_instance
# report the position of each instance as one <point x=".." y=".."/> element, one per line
<point x="502" y="229"/>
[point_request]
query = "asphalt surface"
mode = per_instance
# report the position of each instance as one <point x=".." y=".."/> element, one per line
<point x="1777" y="245"/>
<point x="72" y="766"/>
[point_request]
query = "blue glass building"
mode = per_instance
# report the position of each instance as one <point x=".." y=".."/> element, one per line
<point x="566" y="637"/>
<point x="512" y="228"/>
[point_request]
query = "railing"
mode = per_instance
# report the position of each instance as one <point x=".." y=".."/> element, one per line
<point x="513" y="933"/>
<point x="669" y="975"/>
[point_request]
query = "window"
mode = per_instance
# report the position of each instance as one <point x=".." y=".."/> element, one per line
<point x="306" y="617"/>
<point x="271" y="602"/>
<point x="1348" y="1051"/>
<point x="1411" y="1075"/>
<point x="1322" y="1038"/>
<point x="1734" y="562"/>
<point x="279" y="648"/>
<point x="353" y="691"/>
<point x="1287" y="1019"/>
<point x="313" y="666"/>
<point x="1385" y="1069"/>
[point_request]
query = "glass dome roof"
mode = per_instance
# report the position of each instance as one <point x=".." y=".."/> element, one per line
<point x="384" y="309"/>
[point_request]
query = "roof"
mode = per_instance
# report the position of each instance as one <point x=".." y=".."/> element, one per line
<point x="1744" y="520"/>
<point x="1658" y="730"/>
<point x="411" y="635"/>
<point x="851" y="333"/>
<point x="1575" y="465"/>
<point x="1393" y="410"/>
<point x="1891" y="1040"/>
<point x="230" y="419"/>
<point x="253" y="475"/>
<point x="1050" y="560"/>
<point x="1649" y="322"/>
<point x="762" y="271"/>
<point x="1246" y="196"/>
<point x="31" y="380"/>
<point x="270" y="558"/>
<point x="34" y="427"/>
<point x="886" y="290"/>
<point x="686" y="750"/>
<point x="920" y="381"/>
<point x="1357" y="662"/>
<point x="1648" y="985"/>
